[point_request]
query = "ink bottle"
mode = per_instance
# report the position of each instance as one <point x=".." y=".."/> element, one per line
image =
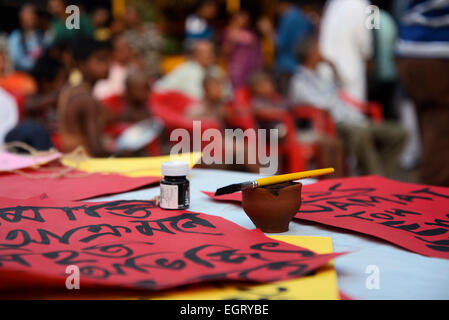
<point x="175" y="187"/>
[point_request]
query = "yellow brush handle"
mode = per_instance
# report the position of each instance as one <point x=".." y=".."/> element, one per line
<point x="293" y="176"/>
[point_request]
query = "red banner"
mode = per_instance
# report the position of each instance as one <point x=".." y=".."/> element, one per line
<point x="78" y="186"/>
<point x="135" y="244"/>
<point x="415" y="217"/>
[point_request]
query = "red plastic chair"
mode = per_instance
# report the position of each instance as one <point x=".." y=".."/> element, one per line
<point x="321" y="123"/>
<point x="170" y="107"/>
<point x="115" y="104"/>
<point x="371" y="109"/>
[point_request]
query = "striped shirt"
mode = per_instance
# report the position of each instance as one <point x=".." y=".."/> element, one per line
<point x="424" y="30"/>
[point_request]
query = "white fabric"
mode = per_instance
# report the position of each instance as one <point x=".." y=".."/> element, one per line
<point x="423" y="49"/>
<point x="195" y="24"/>
<point x="307" y="87"/>
<point x="346" y="41"/>
<point x="188" y="79"/>
<point x="9" y="114"/>
<point x="113" y="85"/>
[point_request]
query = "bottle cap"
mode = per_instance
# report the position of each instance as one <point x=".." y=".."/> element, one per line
<point x="175" y="168"/>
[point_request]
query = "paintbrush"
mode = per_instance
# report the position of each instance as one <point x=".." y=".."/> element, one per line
<point x="272" y="180"/>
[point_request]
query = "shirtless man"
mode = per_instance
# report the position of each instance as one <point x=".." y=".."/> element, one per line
<point x="81" y="118"/>
<point x="137" y="91"/>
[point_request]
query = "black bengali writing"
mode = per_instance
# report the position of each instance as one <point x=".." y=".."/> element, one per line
<point x="186" y="222"/>
<point x="338" y="197"/>
<point x="121" y="208"/>
<point x="87" y="234"/>
<point x="102" y="261"/>
<point x="340" y="202"/>
<point x="291" y="267"/>
<point x="206" y="255"/>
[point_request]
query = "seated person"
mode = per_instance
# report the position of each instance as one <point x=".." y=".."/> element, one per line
<point x="212" y="107"/>
<point x="197" y="26"/>
<point x="266" y="100"/>
<point x="188" y="77"/>
<point x="375" y="146"/>
<point x="137" y="90"/>
<point x="263" y="93"/>
<point x="11" y="80"/>
<point x="81" y="117"/>
<point x="40" y="108"/>
<point x="122" y="59"/>
<point x="50" y="76"/>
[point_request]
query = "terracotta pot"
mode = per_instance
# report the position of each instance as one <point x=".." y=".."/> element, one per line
<point x="272" y="208"/>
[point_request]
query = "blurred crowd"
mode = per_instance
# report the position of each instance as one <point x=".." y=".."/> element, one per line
<point x="360" y="88"/>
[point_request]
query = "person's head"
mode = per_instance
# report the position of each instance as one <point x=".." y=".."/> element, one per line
<point x="203" y="52"/>
<point x="284" y="5"/>
<point x="122" y="52"/>
<point x="49" y="74"/>
<point x="206" y="9"/>
<point x="92" y="58"/>
<point x="313" y="9"/>
<point x="137" y="87"/>
<point x="101" y="17"/>
<point x="56" y="7"/>
<point x="62" y="51"/>
<point x="132" y="17"/>
<point x="261" y="84"/>
<point x="28" y="17"/>
<point x="241" y="19"/>
<point x="308" y="51"/>
<point x="213" y="88"/>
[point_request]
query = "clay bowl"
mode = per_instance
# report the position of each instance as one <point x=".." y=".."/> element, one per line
<point x="271" y="208"/>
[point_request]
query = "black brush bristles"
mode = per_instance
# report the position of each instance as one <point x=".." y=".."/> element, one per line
<point x="229" y="189"/>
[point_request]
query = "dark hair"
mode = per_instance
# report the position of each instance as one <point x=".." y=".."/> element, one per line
<point x="382" y="4"/>
<point x="318" y="4"/>
<point x="199" y="4"/>
<point x="84" y="47"/>
<point x="256" y="77"/>
<point x="46" y="69"/>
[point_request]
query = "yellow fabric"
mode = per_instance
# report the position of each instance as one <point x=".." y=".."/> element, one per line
<point x="320" y="286"/>
<point x="169" y="63"/>
<point x="132" y="167"/>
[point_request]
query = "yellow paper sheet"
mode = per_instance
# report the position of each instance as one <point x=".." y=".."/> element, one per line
<point x="322" y="285"/>
<point x="132" y="167"/>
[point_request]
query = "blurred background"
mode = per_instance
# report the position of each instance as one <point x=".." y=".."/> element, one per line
<point x="362" y="86"/>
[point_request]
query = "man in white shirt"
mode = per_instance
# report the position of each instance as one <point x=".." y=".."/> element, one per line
<point x="346" y="41"/>
<point x="9" y="114"/>
<point x="188" y="77"/>
<point x="376" y="146"/>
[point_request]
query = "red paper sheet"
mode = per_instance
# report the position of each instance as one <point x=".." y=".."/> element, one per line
<point x="80" y="187"/>
<point x="415" y="217"/>
<point x="136" y="245"/>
